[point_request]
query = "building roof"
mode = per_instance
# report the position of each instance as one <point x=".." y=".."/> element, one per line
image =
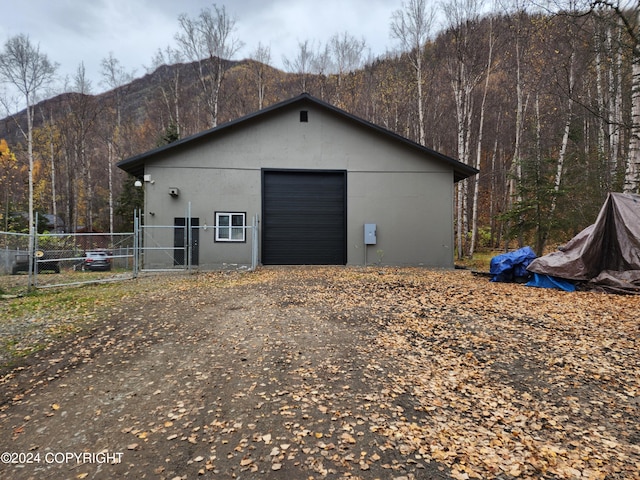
<point x="135" y="165"/>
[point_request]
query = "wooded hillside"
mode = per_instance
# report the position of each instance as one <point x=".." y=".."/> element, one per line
<point x="540" y="103"/>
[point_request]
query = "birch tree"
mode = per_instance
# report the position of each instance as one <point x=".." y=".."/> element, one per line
<point x="347" y="56"/>
<point x="169" y="88"/>
<point x="82" y="113"/>
<point x="411" y="26"/>
<point x="465" y="73"/>
<point x="24" y="67"/>
<point x="565" y="139"/>
<point x="51" y="134"/>
<point x="208" y="42"/>
<point x="115" y="77"/>
<point x="261" y="57"/>
<point x="632" y="169"/>
<point x="628" y="15"/>
<point x="520" y="32"/>
<point x="476" y="190"/>
<point x="559" y="41"/>
<point x="301" y="64"/>
<point x="321" y="65"/>
<point x="615" y="103"/>
<point x="608" y="102"/>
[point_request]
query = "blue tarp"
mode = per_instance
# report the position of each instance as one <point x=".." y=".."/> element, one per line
<point x="547" y="281"/>
<point x="511" y="266"/>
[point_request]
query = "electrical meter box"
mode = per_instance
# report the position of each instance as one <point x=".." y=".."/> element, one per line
<point x="369" y="233"/>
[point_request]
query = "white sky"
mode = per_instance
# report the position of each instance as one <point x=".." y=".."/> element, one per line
<point x="73" y="31"/>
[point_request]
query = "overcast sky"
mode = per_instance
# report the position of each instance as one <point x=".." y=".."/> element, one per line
<point x="73" y="31"/>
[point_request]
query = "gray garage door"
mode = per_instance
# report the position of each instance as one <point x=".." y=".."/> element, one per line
<point x="304" y="217"/>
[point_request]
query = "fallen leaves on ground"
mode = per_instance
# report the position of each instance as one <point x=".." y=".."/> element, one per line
<point x="348" y="373"/>
<point x="510" y="380"/>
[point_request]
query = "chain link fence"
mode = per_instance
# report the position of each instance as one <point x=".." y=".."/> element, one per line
<point x="75" y="258"/>
<point x="64" y="259"/>
<point x="13" y="247"/>
<point x="192" y="247"/>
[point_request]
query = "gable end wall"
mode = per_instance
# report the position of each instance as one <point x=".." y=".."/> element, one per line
<point x="408" y="196"/>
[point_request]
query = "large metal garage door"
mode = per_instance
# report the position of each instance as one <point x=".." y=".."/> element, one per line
<point x="304" y="217"/>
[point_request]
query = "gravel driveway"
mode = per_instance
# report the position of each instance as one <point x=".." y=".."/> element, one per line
<point x="291" y="373"/>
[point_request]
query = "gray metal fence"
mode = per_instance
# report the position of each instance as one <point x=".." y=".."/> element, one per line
<point x="12" y="245"/>
<point x="64" y="259"/>
<point x="76" y="258"/>
<point x="191" y="247"/>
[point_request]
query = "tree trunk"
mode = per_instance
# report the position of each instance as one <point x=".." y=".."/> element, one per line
<point x="615" y="86"/>
<point x="632" y="170"/>
<point x="32" y="228"/>
<point x="420" y="97"/>
<point x="54" y="202"/>
<point x="604" y="114"/>
<point x="476" y="180"/>
<point x="110" y="175"/>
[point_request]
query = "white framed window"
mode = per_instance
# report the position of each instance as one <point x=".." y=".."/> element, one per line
<point x="230" y="226"/>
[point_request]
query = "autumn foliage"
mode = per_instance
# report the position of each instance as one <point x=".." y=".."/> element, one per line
<point x="549" y="96"/>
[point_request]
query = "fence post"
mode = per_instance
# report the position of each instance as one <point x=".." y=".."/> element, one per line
<point x="136" y="239"/>
<point x="189" y="235"/>
<point x="254" y="243"/>
<point x="33" y="260"/>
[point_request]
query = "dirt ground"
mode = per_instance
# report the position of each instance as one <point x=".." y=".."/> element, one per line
<point x="310" y="373"/>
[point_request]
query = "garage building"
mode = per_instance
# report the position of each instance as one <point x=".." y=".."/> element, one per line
<point x="306" y="181"/>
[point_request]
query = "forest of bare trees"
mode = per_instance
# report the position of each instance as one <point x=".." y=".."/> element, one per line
<point x="545" y="102"/>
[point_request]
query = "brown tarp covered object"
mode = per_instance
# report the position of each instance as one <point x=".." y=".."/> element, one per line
<point x="605" y="255"/>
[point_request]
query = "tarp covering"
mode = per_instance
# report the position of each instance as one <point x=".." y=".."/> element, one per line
<point x="547" y="281"/>
<point x="511" y="266"/>
<point x="605" y="254"/>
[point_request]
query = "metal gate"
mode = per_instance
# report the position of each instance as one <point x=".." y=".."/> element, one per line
<point x="190" y="245"/>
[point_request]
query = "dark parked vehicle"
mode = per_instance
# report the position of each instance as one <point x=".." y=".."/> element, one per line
<point x="96" y="260"/>
<point x="40" y="260"/>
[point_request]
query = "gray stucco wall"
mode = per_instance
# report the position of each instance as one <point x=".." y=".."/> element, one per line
<point x="408" y="196"/>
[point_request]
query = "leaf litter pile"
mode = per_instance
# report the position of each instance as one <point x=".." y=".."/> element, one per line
<point x="312" y="373"/>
